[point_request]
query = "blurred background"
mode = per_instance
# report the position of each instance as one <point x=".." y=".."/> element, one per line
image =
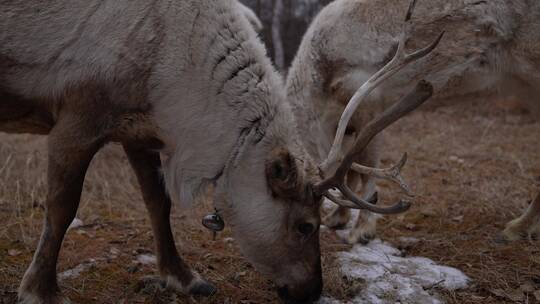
<point x="285" y="22"/>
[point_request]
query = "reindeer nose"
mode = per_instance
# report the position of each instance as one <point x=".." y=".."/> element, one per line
<point x="307" y="292"/>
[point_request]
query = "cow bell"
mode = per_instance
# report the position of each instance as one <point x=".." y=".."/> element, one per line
<point x="213" y="222"/>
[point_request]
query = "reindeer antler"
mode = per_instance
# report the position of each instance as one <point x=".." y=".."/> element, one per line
<point x="422" y="92"/>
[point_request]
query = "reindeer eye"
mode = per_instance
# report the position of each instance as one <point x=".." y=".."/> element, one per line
<point x="306" y="229"/>
<point x="278" y="171"/>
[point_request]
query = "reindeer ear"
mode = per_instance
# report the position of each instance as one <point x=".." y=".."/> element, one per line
<point x="282" y="174"/>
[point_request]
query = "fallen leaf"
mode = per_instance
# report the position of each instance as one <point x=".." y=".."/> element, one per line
<point x="14" y="252"/>
<point x="427" y="212"/>
<point x="114" y="251"/>
<point x="410" y="226"/>
<point x="458" y="219"/>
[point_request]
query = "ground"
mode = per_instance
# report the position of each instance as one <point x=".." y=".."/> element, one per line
<point x="474" y="166"/>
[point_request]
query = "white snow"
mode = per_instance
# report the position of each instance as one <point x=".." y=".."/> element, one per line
<point x="390" y="278"/>
<point x="146" y="259"/>
<point x="76" y="223"/>
<point x="75" y="272"/>
<point x="387" y="277"/>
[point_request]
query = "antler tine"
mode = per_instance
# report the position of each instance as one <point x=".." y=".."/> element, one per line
<point x="358" y="203"/>
<point x="392" y="174"/>
<point x="400" y="60"/>
<point x="372" y="201"/>
<point x="411" y="101"/>
<point x="399" y="207"/>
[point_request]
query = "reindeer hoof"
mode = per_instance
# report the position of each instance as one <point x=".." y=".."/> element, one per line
<point x="362" y="238"/>
<point x="515" y="231"/>
<point x="510" y="235"/>
<point x="365" y="238"/>
<point x="27" y="298"/>
<point x="363" y="232"/>
<point x="198" y="286"/>
<point x="202" y="288"/>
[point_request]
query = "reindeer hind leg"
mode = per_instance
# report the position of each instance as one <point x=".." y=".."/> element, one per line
<point x="365" y="228"/>
<point x="526" y="225"/>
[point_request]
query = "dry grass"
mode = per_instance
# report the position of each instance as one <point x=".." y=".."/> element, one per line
<point x="474" y="166"/>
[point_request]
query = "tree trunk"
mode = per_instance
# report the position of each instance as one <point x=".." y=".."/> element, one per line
<point x="279" y="54"/>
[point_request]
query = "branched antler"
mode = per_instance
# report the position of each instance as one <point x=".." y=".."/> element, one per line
<point x="392" y="174"/>
<point x="422" y="92"/>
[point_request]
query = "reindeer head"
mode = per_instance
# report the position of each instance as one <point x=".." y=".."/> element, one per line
<point x="272" y="209"/>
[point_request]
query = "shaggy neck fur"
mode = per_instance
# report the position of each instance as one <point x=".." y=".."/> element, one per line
<point x="213" y="95"/>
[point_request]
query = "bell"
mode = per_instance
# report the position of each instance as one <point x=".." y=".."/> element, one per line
<point x="213" y="222"/>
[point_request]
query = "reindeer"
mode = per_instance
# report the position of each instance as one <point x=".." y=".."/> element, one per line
<point x="488" y="46"/>
<point x="171" y="81"/>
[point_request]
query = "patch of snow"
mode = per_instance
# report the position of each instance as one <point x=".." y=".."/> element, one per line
<point x="76" y="223"/>
<point x="75" y="272"/>
<point x="146" y="259"/>
<point x="389" y="278"/>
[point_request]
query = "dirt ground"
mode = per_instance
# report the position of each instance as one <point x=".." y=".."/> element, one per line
<point x="474" y="166"/>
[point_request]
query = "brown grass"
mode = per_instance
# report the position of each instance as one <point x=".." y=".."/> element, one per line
<point x="473" y="165"/>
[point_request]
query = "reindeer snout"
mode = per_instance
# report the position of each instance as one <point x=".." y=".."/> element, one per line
<point x="303" y="292"/>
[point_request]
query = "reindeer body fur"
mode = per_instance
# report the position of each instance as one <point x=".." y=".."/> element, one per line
<point x="140" y="85"/>
<point x="488" y="47"/>
<point x="189" y="79"/>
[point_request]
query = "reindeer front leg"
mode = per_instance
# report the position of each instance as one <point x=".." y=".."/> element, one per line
<point x="172" y="268"/>
<point x="70" y="152"/>
<point x="365" y="227"/>
<point x="526" y="225"/>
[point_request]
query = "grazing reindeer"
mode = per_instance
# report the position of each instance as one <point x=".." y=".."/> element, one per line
<point x="488" y="46"/>
<point x="186" y="88"/>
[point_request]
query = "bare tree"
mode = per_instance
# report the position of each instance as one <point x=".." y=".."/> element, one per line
<point x="295" y="17"/>
<point x="279" y="54"/>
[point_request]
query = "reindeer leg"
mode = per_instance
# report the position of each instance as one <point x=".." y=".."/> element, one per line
<point x="172" y="268"/>
<point x="526" y="225"/>
<point x="365" y="228"/>
<point x="70" y="152"/>
<point x="337" y="218"/>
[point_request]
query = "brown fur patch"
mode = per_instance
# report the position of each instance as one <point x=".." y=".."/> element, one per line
<point x="282" y="174"/>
